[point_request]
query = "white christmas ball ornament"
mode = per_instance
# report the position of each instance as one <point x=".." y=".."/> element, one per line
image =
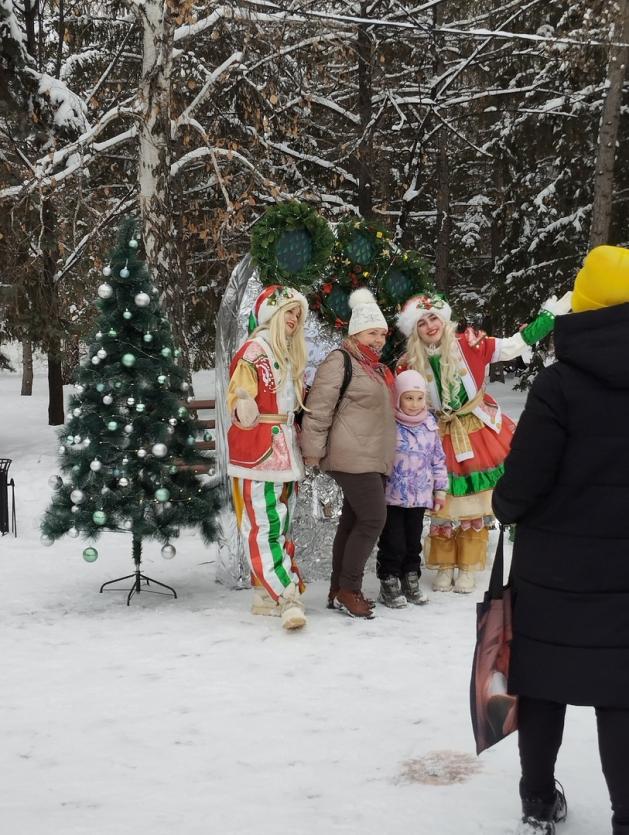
<point x="141" y="453"/>
<point x="107" y="271"/>
<point x="123" y="482"/>
<point x="48" y="540"/>
<point x="76" y="412"/>
<point x="105" y="291"/>
<point x="128" y="428"/>
<point x="79" y="389"/>
<point x="142" y="299"/>
<point x="77" y="496"/>
<point x="133" y="243"/>
<point x="124" y="273"/>
<point x="95" y="465"/>
<point x="73" y="532"/>
<point x="108" y="400"/>
<point x="168" y="551"/>
<point x="159" y="450"/>
<point x="101" y="353"/>
<point x="95" y="360"/>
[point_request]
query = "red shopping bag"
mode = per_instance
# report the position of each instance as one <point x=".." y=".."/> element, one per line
<point x="494" y="711"/>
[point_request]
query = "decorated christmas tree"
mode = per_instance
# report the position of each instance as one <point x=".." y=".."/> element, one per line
<point x="128" y="456"/>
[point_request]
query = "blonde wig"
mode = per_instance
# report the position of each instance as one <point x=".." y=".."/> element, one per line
<point x="417" y="359"/>
<point x="290" y="352"/>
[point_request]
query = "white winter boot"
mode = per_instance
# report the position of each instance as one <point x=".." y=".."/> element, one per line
<point x="465" y="582"/>
<point x="291" y="608"/>
<point x="443" y="580"/>
<point x="263" y="603"/>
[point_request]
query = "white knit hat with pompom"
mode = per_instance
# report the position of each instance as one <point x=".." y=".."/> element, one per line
<point x="365" y="312"/>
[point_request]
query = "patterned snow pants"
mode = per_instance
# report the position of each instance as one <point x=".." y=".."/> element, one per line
<point x="264" y="513"/>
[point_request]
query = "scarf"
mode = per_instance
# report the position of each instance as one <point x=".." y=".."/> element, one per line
<point x="370" y="362"/>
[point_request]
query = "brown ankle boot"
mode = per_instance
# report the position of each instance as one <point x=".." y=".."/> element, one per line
<point x="333" y="592"/>
<point x="354" y="604"/>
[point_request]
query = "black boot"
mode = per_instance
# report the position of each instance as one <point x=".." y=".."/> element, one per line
<point x="411" y="589"/>
<point x="540" y="815"/>
<point x="391" y="593"/>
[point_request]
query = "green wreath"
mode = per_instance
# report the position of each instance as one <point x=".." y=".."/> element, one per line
<point x="291" y="244"/>
<point x="407" y="275"/>
<point x="360" y="244"/>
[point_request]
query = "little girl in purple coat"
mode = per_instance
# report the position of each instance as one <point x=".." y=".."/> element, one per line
<point x="418" y="482"/>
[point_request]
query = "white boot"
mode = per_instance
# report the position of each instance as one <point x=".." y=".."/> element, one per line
<point x="263" y="603"/>
<point x="291" y="608"/>
<point x="465" y="582"/>
<point x="443" y="580"/>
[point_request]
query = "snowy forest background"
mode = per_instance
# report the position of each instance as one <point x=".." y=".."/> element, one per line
<point x="481" y="132"/>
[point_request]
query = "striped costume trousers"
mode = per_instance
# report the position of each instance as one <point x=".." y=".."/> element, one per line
<point x="264" y="513"/>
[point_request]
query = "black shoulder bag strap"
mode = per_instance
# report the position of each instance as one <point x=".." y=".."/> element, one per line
<point x="347" y="376"/>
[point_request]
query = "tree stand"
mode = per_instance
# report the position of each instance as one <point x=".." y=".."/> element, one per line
<point x="137" y="576"/>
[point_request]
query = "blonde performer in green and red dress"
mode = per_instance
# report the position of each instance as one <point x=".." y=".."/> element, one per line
<point x="476" y="435"/>
<point x="266" y="388"/>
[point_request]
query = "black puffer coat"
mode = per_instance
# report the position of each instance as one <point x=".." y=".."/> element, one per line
<point x="566" y="485"/>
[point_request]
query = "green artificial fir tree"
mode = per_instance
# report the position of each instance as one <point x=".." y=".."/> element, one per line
<point x="127" y="451"/>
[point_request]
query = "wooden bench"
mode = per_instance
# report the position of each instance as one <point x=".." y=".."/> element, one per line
<point x="196" y="406"/>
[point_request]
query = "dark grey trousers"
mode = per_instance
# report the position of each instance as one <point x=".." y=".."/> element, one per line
<point x="362" y="519"/>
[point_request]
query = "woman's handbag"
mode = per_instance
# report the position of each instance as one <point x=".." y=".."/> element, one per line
<point x="494" y="711"/>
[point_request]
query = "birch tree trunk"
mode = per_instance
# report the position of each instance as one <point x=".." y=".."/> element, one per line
<point x="27" y="368"/>
<point x="443" y="221"/>
<point x="365" y="148"/>
<point x="608" y="131"/>
<point x="158" y="21"/>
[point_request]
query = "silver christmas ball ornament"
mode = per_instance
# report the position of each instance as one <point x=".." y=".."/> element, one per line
<point x="73" y="532"/>
<point x="166" y="353"/>
<point x="46" y="540"/>
<point x="95" y="465"/>
<point x="130" y="401"/>
<point x="124" y="273"/>
<point x="105" y="291"/>
<point x="159" y="450"/>
<point x="141" y="453"/>
<point x="148" y="337"/>
<point x="168" y="551"/>
<point x="108" y="400"/>
<point x="95" y="360"/>
<point x="142" y="299"/>
<point x="107" y="271"/>
<point x="101" y="353"/>
<point x="161" y="379"/>
<point x="140" y="407"/>
<point x="77" y="496"/>
<point x="127" y="315"/>
<point x="112" y="425"/>
<point x="133" y="243"/>
<point x="128" y="428"/>
<point x="123" y="482"/>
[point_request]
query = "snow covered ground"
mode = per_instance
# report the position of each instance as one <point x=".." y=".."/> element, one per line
<point x="192" y="716"/>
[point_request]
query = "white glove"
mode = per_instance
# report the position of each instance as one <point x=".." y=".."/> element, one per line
<point x="558" y="307"/>
<point x="247" y="411"/>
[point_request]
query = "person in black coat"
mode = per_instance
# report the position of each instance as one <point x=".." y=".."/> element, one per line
<point x="566" y="486"/>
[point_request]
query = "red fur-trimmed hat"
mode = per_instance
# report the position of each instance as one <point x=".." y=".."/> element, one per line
<point x="274" y="298"/>
<point x="419" y="306"/>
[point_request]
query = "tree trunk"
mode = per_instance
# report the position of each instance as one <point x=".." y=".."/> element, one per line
<point x="27" y="368"/>
<point x="365" y="148"/>
<point x="608" y="131"/>
<point x="56" y="415"/>
<point x="50" y="250"/>
<point x="443" y="221"/>
<point x="154" y="164"/>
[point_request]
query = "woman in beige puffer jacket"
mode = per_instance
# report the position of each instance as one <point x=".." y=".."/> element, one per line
<point x="354" y="441"/>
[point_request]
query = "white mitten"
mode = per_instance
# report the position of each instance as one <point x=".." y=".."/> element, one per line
<point x="246" y="408"/>
<point x="559" y="306"/>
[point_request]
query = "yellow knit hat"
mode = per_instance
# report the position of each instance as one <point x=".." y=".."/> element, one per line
<point x="603" y="280"/>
